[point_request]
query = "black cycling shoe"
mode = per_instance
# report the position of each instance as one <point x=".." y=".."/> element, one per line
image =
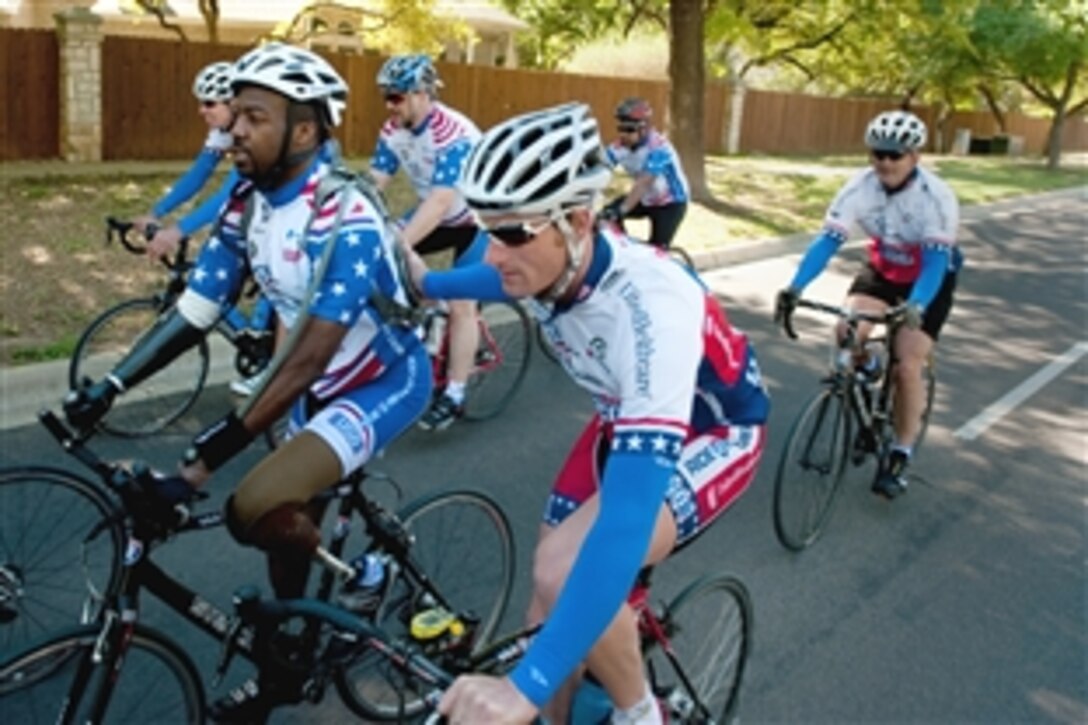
<point x="892" y="479"/>
<point x="442" y="414"/>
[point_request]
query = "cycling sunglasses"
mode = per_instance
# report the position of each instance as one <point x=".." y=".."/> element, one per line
<point x="887" y="155"/>
<point x="209" y="104"/>
<point x="517" y="235"/>
<point x="629" y="128"/>
<point x="394" y="98"/>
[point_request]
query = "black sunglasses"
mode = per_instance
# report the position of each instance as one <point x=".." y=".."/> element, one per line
<point x="887" y="155"/>
<point x="394" y="97"/>
<point x="516" y="235"/>
<point x="628" y="128"/>
<point x="209" y="104"/>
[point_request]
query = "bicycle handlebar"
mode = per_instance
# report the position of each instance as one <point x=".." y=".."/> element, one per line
<point x="851" y="316"/>
<point x="121" y="230"/>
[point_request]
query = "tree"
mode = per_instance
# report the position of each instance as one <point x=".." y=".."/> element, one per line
<point x="687" y="71"/>
<point x="1043" y="46"/>
<point x="388" y="26"/>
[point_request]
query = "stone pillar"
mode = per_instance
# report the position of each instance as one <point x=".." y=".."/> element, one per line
<point x="79" y="35"/>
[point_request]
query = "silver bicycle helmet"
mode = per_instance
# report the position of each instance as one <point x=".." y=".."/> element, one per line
<point x="896" y="131"/>
<point x="296" y="73"/>
<point x="408" y="73"/>
<point x="212" y="83"/>
<point x="538" y="163"/>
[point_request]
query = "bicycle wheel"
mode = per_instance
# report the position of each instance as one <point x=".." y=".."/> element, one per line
<point x="60" y="553"/>
<point x="544" y="345"/>
<point x="709" y="626"/>
<point x="463" y="543"/>
<point x="502" y="359"/>
<point x="156" y="402"/>
<point x="810" y="470"/>
<point x="157" y="684"/>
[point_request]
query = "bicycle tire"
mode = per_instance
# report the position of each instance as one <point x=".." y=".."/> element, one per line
<point x="502" y="359"/>
<point x="709" y="627"/>
<point x="452" y="547"/>
<point x="157" y="684"/>
<point x="156" y="402"/>
<point x="804" y="485"/>
<point x="54" y="525"/>
<point x="544" y="345"/>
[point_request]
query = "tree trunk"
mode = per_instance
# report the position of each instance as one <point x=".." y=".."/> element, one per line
<point x="687" y="70"/>
<point x="1054" y="139"/>
<point x="209" y="9"/>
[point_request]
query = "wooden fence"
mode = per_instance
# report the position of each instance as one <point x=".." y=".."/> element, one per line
<point x="148" y="111"/>
<point x="30" y="97"/>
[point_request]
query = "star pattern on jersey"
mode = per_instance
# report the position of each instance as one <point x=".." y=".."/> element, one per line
<point x="647" y="441"/>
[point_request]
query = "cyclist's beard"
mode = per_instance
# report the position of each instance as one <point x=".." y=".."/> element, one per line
<point x="274" y="175"/>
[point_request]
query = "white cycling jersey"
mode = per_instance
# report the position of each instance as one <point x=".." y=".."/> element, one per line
<point x="899" y="225"/>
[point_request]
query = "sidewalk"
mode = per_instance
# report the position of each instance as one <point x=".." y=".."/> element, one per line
<point x="26" y="389"/>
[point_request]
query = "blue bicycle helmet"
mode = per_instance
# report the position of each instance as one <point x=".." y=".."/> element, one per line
<point x="409" y="73"/>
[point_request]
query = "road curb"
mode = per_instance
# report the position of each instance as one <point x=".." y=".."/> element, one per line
<point x="27" y="389"/>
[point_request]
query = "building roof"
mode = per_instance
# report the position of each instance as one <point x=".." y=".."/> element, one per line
<point x="479" y="14"/>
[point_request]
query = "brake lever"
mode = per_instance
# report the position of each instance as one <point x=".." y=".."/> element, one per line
<point x="787" y="325"/>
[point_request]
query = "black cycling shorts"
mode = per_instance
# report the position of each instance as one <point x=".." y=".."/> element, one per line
<point x="873" y="284"/>
<point x="457" y="238"/>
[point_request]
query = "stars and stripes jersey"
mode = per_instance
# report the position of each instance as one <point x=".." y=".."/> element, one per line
<point x="283" y="256"/>
<point x="655" y="156"/>
<point x="901" y="225"/>
<point x="432" y="155"/>
<point x="653" y="347"/>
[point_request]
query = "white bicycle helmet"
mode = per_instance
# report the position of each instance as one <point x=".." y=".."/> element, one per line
<point x="538" y="163"/>
<point x="297" y="73"/>
<point x="212" y="83"/>
<point x="896" y="131"/>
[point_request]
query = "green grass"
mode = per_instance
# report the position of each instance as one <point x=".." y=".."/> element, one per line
<point x="54" y="262"/>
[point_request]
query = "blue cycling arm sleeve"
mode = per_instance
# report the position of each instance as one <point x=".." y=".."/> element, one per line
<point x="471" y="282"/>
<point x="190" y="183"/>
<point x="604" y="572"/>
<point x="935" y="261"/>
<point x="207" y="212"/>
<point x="819" y="253"/>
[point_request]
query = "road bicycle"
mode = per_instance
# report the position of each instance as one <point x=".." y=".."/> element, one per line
<point x="168" y="394"/>
<point x="502" y="357"/>
<point x="387" y="666"/>
<point x="850" y="419"/>
<point x="450" y="549"/>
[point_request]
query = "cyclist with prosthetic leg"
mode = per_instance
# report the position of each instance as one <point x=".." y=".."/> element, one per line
<point x="352" y="381"/>
<point x="681" y="409"/>
<point x="430" y="141"/>
<point x="911" y="217"/>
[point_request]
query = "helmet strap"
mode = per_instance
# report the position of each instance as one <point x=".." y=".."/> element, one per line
<point x="286" y="160"/>
<point x="575" y="254"/>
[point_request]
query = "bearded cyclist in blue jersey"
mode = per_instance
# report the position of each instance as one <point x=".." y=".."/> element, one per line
<point x="911" y="217"/>
<point x="352" y="381"/>
<point x="212" y="88"/>
<point x="681" y="409"/>
<point x="430" y="141"/>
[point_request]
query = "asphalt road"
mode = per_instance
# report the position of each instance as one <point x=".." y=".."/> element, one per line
<point x="964" y="601"/>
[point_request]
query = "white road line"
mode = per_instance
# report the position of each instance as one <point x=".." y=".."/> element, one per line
<point x="997" y="410"/>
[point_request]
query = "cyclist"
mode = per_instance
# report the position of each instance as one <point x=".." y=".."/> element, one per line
<point x="212" y="89"/>
<point x="681" y="409"/>
<point x="430" y="141"/>
<point x="660" y="191"/>
<point x="355" y="382"/>
<point x="911" y="217"/>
